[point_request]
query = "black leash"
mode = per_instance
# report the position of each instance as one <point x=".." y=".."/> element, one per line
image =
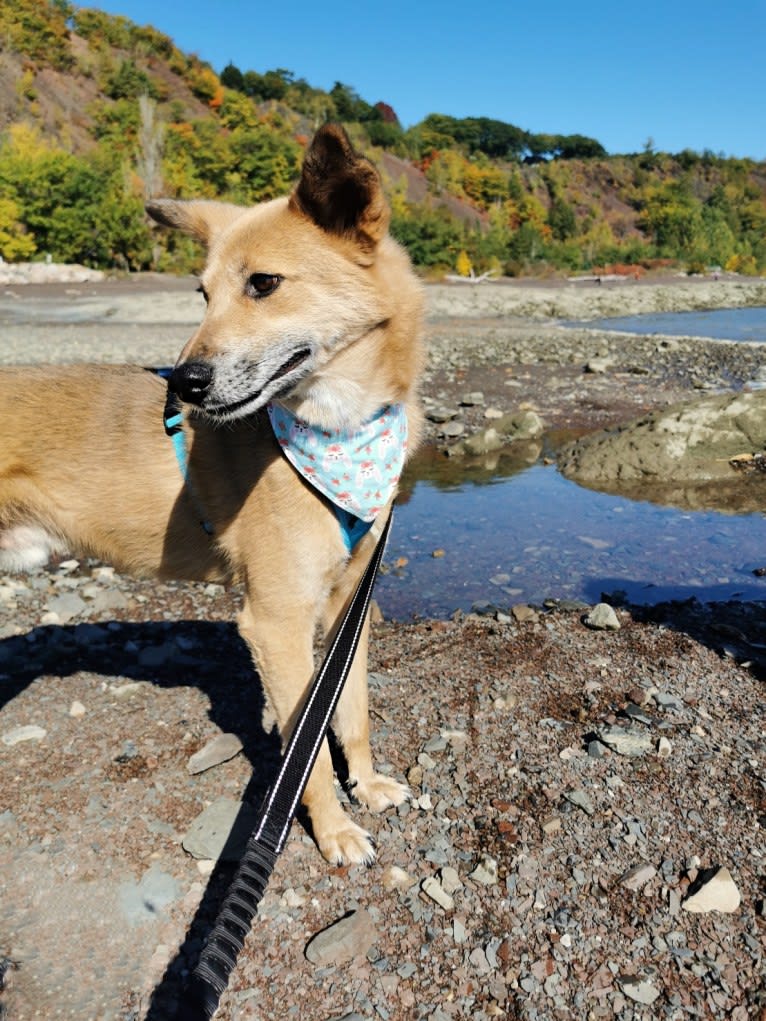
<point x="219" y="956"/>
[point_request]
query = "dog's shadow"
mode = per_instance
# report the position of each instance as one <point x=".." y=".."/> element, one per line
<point x="207" y="655"/>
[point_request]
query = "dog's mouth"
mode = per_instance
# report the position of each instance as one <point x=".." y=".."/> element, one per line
<point x="288" y="371"/>
<point x="293" y="362"/>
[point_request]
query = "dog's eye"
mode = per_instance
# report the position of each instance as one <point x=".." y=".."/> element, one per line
<point x="201" y="290"/>
<point x="260" y="285"/>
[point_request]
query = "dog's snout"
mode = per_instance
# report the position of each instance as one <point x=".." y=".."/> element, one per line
<point x="191" y="381"/>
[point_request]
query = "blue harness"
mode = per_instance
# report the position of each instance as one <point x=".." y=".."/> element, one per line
<point x="352" y="528"/>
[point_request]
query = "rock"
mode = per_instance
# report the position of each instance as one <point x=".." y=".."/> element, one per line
<point x="451" y="430"/>
<point x="221" y="831"/>
<point x="143" y="901"/>
<point x="471" y="400"/>
<point x="220" y="749"/>
<point x="551" y="824"/>
<point x="626" y="742"/>
<point x="30" y="732"/>
<point x="713" y="890"/>
<point x="599" y="365"/>
<point x="432" y="888"/>
<point x="485" y="872"/>
<point x="637" y="876"/>
<point x="440" y="415"/>
<point x="602" y="618"/>
<point x="66" y="606"/>
<point x="523" y="613"/>
<point x="581" y="800"/>
<point x="77" y="709"/>
<point x="664" y="748"/>
<point x="639" y="989"/>
<point x="395" y="878"/>
<point x="349" y="937"/>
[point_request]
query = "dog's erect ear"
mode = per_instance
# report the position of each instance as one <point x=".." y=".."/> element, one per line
<point x="203" y="220"/>
<point x="341" y="191"/>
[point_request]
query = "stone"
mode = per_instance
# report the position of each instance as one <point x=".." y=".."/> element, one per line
<point x="143" y="901"/>
<point x="637" y="876"/>
<point x="66" y="606"/>
<point x="395" y="878"/>
<point x="77" y="709"/>
<point x="221" y="831"/>
<point x="486" y="871"/>
<point x="433" y="889"/>
<point x="638" y="989"/>
<point x="522" y="613"/>
<point x="664" y="748"/>
<point x="626" y="742"/>
<point x="581" y="800"/>
<point x="602" y="618"/>
<point x="473" y="399"/>
<point x="220" y="749"/>
<point x="713" y="890"/>
<point x="343" y="940"/>
<point x="30" y="732"/>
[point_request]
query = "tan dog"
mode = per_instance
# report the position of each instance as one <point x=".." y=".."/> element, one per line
<point x="309" y="301"/>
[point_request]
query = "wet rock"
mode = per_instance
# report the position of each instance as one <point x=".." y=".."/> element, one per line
<point x="220" y="749"/>
<point x="713" y="890"/>
<point x="349" y="937"/>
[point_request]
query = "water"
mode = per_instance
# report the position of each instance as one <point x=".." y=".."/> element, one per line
<point x="534" y="535"/>
<point x="722" y="324"/>
<point x="515" y="533"/>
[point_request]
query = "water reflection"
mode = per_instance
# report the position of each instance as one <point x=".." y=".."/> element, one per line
<point x="508" y="528"/>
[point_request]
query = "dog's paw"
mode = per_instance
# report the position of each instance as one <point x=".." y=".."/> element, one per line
<point x="379" y="792"/>
<point x="349" y="844"/>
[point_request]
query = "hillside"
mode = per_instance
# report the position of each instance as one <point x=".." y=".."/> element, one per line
<point x="97" y="114"/>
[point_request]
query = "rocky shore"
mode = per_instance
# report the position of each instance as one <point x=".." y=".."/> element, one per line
<point x="585" y="838"/>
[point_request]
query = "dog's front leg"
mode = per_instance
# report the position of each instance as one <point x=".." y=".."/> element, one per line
<point x="351" y="721"/>
<point x="281" y="644"/>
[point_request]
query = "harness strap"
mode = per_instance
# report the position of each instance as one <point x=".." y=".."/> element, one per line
<point x="210" y="977"/>
<point x="173" y="419"/>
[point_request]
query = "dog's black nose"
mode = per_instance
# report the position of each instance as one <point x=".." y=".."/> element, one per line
<point x="191" y="381"/>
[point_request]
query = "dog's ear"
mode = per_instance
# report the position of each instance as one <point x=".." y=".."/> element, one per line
<point x="341" y="191"/>
<point x="203" y="220"/>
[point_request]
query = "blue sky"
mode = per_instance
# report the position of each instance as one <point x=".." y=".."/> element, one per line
<point x="686" y="75"/>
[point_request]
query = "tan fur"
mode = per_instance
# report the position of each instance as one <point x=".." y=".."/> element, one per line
<point x="85" y="464"/>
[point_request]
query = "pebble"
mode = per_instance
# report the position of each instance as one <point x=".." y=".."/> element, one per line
<point x="486" y="871"/>
<point x="664" y="748"/>
<point x="395" y="878"/>
<point x="714" y="890"/>
<point x="637" y="876"/>
<point x="432" y="888"/>
<point x="602" y="618"/>
<point x="30" y="732"/>
<point x="343" y="940"/>
<point x="220" y="749"/>
<point x="77" y="709"/>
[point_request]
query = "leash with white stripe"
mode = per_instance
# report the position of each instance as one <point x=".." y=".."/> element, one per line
<point x="219" y="956"/>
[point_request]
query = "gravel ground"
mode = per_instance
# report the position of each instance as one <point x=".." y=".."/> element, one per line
<point x="586" y="835"/>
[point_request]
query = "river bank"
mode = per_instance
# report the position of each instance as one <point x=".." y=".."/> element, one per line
<point x="574" y="785"/>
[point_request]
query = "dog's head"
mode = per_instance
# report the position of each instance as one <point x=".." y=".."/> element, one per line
<point x="293" y="287"/>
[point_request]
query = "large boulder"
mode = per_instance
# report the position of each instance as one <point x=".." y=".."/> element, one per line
<point x="690" y="455"/>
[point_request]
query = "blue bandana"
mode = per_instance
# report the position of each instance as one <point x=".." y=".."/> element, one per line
<point x="358" y="471"/>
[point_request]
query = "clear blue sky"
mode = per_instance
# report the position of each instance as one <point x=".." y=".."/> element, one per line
<point x="687" y="75"/>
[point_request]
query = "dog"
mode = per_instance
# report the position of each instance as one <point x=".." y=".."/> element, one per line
<point x="314" y="314"/>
